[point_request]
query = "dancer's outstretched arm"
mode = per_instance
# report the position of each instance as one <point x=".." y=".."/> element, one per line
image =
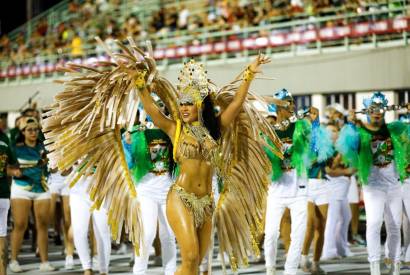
<point x="233" y="109"/>
<point x="160" y="120"/>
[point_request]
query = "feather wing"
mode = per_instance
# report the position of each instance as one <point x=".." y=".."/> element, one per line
<point x="246" y="168"/>
<point x="83" y="125"/>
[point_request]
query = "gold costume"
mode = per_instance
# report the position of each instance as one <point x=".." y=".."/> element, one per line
<point x="98" y="101"/>
<point x="201" y="208"/>
<point x="188" y="147"/>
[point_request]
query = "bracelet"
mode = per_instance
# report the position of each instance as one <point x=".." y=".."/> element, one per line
<point x="248" y="75"/>
<point x="140" y="79"/>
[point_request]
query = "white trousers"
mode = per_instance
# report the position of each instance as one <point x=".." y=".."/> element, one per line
<point x="274" y="211"/>
<point x="406" y="220"/>
<point x="383" y="204"/>
<point x="153" y="213"/>
<point x="80" y="220"/>
<point x="4" y="210"/>
<point x="337" y="227"/>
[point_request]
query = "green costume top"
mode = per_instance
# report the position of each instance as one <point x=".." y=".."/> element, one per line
<point x="317" y="170"/>
<point x="149" y="152"/>
<point x="362" y="148"/>
<point x="295" y="149"/>
<point x="321" y="150"/>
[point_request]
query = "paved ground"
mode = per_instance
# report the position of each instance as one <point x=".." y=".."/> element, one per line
<point x="120" y="264"/>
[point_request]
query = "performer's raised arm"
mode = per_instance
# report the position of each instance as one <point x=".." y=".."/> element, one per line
<point x="160" y="120"/>
<point x="233" y="109"/>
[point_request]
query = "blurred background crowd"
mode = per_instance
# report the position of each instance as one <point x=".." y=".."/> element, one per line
<point x="73" y="34"/>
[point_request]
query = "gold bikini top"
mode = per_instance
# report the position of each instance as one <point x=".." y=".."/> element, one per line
<point x="192" y="144"/>
<point x="188" y="148"/>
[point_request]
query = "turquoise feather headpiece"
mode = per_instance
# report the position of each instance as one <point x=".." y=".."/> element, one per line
<point x="377" y="99"/>
<point x="283" y="94"/>
<point x="272" y="110"/>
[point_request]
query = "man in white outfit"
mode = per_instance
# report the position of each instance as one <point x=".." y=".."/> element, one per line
<point x="381" y="165"/>
<point x="152" y="187"/>
<point x="287" y="191"/>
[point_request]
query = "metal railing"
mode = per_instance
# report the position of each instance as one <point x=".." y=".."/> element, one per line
<point x="294" y="37"/>
<point x="59" y="13"/>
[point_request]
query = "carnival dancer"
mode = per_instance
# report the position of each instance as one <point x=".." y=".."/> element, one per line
<point x="81" y="205"/>
<point x="59" y="188"/>
<point x="285" y="223"/>
<point x="149" y="157"/>
<point x="338" y="116"/>
<point x="339" y="214"/>
<point x="386" y="145"/>
<point x="321" y="149"/>
<point x="226" y="139"/>
<point x="190" y="205"/>
<point x="288" y="188"/>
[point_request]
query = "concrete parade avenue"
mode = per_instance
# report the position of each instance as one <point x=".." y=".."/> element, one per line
<point x="356" y="264"/>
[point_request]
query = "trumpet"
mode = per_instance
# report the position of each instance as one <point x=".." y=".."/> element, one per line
<point x="300" y="114"/>
<point x="382" y="109"/>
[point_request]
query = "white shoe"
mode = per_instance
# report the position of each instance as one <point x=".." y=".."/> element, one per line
<point x="395" y="269"/>
<point x="132" y="260"/>
<point x="271" y="270"/>
<point x="158" y="261"/>
<point x="387" y="264"/>
<point x="316" y="269"/>
<point x="96" y="264"/>
<point x="69" y="262"/>
<point x="330" y="257"/>
<point x="47" y="267"/>
<point x="15" y="267"/>
<point x="304" y="263"/>
<point x="358" y="239"/>
<point x="348" y="254"/>
<point x="375" y="268"/>
<point x="122" y="250"/>
<point x="405" y="266"/>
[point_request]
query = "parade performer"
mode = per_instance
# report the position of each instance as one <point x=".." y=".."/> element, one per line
<point x="149" y="156"/>
<point x="59" y="188"/>
<point x="387" y="146"/>
<point x="339" y="214"/>
<point x="288" y="188"/>
<point x="81" y="204"/>
<point x="97" y="103"/>
<point x="321" y="149"/>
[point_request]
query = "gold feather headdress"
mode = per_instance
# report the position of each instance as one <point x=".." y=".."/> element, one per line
<point x="194" y="85"/>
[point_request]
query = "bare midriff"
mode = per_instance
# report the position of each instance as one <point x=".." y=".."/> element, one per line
<point x="195" y="177"/>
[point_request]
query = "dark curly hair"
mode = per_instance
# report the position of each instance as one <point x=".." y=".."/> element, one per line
<point x="211" y="121"/>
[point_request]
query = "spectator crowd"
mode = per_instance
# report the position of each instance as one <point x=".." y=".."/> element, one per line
<point x="73" y="36"/>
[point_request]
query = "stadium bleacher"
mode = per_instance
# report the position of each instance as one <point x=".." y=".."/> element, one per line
<point x="189" y="28"/>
